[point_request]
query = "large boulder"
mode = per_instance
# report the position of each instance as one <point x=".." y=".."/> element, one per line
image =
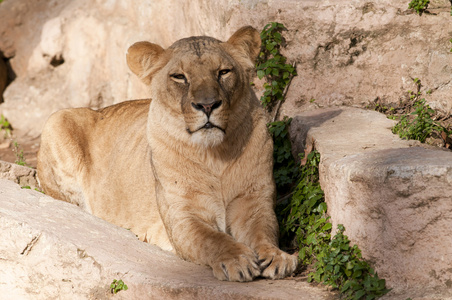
<point x="72" y="53"/>
<point x="393" y="196"/>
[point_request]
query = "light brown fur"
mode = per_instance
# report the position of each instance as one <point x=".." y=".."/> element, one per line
<point x="203" y="191"/>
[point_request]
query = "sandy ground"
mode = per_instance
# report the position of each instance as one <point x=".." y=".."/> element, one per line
<point x="28" y="148"/>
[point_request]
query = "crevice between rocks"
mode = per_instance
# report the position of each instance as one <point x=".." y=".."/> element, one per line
<point x="30" y="245"/>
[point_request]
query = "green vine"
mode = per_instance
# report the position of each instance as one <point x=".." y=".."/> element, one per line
<point x="285" y="170"/>
<point x="419" y="124"/>
<point x="272" y="66"/>
<point x="335" y="262"/>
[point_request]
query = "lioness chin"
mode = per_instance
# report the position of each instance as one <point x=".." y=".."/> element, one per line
<point x="189" y="170"/>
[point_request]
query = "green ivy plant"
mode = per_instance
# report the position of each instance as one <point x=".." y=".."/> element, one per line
<point x="118" y="285"/>
<point x="336" y="263"/>
<point x="305" y="216"/>
<point x="341" y="266"/>
<point x="285" y="170"/>
<point x="419" y="6"/>
<point x="418" y="125"/>
<point x="272" y="66"/>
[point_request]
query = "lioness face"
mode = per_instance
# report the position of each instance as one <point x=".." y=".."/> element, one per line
<point x="203" y="82"/>
<point x="201" y="78"/>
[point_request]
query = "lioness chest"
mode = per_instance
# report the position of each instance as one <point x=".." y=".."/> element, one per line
<point x="147" y="170"/>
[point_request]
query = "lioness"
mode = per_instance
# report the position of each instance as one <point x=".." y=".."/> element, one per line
<point x="189" y="170"/>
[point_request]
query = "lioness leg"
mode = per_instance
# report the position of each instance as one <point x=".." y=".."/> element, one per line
<point x="229" y="259"/>
<point x="198" y="236"/>
<point x="61" y="156"/>
<point x="253" y="222"/>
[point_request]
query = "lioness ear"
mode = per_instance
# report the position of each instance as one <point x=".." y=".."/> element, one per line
<point x="248" y="40"/>
<point x="144" y="59"/>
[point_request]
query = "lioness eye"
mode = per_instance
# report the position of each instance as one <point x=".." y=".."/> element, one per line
<point x="224" y="72"/>
<point x="178" y="76"/>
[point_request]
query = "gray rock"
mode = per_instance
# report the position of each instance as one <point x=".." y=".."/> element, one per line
<point x="51" y="249"/>
<point x="392" y="196"/>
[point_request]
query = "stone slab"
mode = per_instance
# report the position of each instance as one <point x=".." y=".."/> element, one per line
<point x="393" y="196"/>
<point x="51" y="249"/>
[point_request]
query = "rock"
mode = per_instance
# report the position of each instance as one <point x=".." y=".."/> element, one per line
<point x="347" y="52"/>
<point x="24" y="176"/>
<point x="393" y="196"/>
<point x="52" y="249"/>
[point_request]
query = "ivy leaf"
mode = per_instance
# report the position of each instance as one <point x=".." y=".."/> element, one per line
<point x="327" y="227"/>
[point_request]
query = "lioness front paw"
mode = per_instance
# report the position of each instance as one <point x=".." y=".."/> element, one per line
<point x="239" y="264"/>
<point x="276" y="264"/>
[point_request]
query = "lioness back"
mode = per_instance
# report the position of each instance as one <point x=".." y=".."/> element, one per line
<point x="86" y="154"/>
<point x="189" y="171"/>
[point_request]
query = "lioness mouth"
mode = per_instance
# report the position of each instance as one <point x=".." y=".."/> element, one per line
<point x="208" y="125"/>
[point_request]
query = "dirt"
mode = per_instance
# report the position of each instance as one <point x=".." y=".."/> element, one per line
<point x="26" y="150"/>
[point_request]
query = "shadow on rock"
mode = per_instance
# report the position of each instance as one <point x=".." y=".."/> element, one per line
<point x="300" y="126"/>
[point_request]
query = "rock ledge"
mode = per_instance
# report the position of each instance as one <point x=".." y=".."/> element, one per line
<point x="53" y="250"/>
<point x="393" y="196"/>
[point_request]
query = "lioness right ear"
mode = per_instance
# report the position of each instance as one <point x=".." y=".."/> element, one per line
<point x="248" y="40"/>
<point x="144" y="59"/>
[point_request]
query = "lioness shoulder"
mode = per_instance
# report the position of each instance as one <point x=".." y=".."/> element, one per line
<point x="189" y="170"/>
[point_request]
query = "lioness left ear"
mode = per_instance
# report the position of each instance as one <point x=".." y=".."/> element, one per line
<point x="144" y="59"/>
<point x="248" y="40"/>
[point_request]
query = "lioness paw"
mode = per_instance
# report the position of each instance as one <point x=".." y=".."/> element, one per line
<point x="239" y="264"/>
<point x="276" y="264"/>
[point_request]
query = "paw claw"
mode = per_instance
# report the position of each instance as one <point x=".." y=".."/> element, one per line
<point x="239" y="264"/>
<point x="280" y="264"/>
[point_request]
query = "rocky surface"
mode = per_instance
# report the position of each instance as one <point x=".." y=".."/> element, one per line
<point x="392" y="196"/>
<point x="51" y="249"/>
<point x="72" y="53"/>
<point x="23" y="176"/>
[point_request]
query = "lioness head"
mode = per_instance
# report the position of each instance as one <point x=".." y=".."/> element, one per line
<point x="202" y="82"/>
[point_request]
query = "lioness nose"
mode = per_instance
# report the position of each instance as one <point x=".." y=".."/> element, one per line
<point x="207" y="108"/>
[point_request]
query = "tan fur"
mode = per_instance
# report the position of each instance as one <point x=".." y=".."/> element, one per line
<point x="206" y="193"/>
